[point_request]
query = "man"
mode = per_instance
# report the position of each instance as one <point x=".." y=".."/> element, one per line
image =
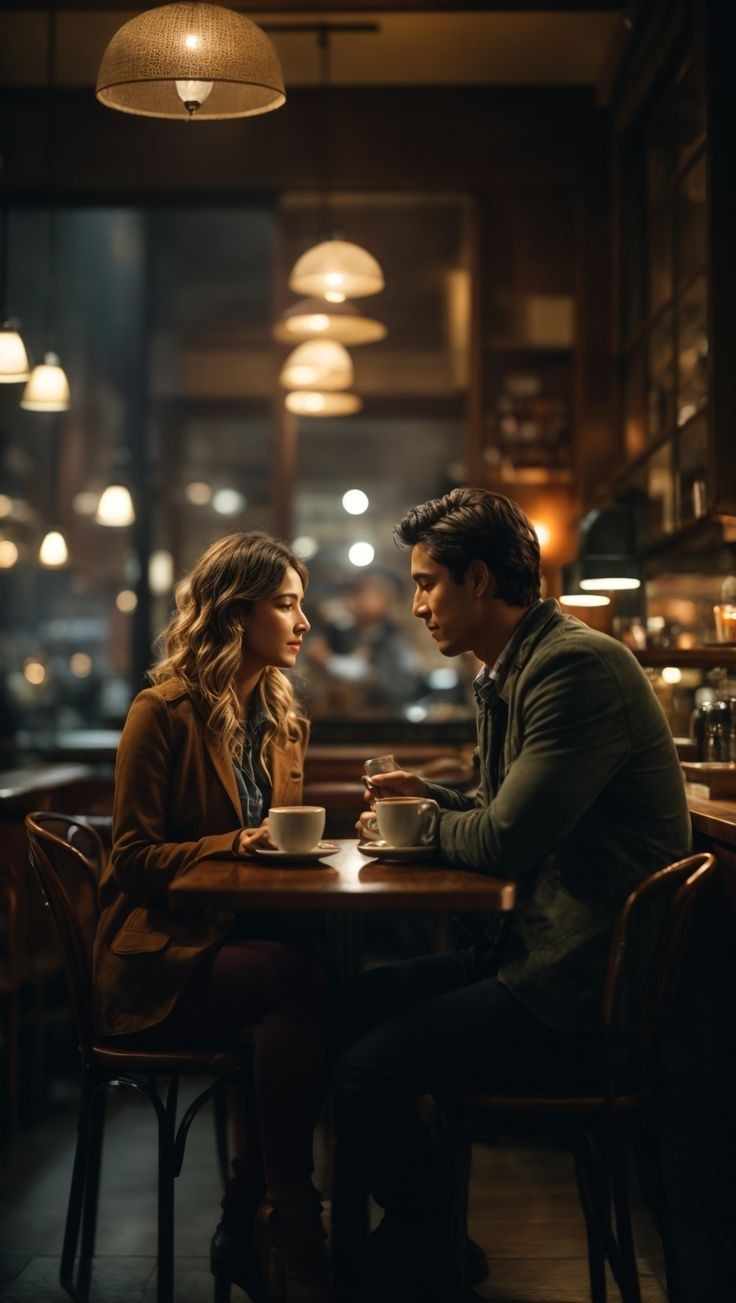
<point x="580" y="798"/>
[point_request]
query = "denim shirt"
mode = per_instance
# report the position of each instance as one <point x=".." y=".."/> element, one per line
<point x="253" y="787"/>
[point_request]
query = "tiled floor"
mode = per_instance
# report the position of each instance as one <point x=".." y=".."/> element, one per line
<point x="524" y="1211"/>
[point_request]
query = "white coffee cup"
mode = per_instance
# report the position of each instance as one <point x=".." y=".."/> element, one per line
<point x="403" y="820"/>
<point x="296" y="828"/>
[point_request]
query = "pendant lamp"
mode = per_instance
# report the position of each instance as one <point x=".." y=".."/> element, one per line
<point x="115" y="507"/>
<point x="47" y="389"/>
<point x="312" y="318"/>
<point x="13" y="357"/>
<point x="318" y="364"/>
<point x="186" y="61"/>
<point x="333" y="269"/>
<point x="311" y="402"/>
<point x="336" y="270"/>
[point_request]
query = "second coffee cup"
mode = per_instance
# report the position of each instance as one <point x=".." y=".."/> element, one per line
<point x="406" y="820"/>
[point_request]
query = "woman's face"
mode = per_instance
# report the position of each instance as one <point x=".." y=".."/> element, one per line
<point x="275" y="626"/>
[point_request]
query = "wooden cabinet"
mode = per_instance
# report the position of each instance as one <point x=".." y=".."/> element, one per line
<point x="675" y="264"/>
<point x="528" y="331"/>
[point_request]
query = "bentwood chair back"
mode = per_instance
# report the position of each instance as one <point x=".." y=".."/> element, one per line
<point x="66" y="856"/>
<point x="644" y="964"/>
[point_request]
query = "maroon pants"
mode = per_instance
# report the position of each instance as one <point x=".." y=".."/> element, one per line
<point x="279" y="992"/>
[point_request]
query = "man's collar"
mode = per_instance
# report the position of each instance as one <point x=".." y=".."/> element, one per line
<point x="493" y="680"/>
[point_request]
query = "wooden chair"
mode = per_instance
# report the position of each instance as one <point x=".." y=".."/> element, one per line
<point x="66" y="856"/>
<point x="641" y="980"/>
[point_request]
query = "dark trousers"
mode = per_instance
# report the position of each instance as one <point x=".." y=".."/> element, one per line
<point x="431" y="1026"/>
<point x="278" y="991"/>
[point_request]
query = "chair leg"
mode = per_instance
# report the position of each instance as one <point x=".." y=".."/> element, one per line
<point x="219" y="1100"/>
<point x="591" y="1200"/>
<point x="165" y="1272"/>
<point x="462" y="1141"/>
<point x="96" y="1131"/>
<point x="629" y="1283"/>
<point x="76" y="1195"/>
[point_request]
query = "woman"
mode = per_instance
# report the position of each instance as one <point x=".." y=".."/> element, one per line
<point x="203" y="754"/>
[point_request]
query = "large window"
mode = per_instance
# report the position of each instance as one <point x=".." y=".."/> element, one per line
<point x="164" y="325"/>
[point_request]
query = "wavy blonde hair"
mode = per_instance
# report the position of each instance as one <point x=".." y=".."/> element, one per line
<point x="203" y="643"/>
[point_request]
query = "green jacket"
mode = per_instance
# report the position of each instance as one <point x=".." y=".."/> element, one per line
<point x="590" y="800"/>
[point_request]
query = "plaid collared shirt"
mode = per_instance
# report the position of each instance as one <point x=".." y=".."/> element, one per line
<point x="253" y="788"/>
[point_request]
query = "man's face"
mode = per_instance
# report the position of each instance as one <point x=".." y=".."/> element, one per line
<point x="451" y="611"/>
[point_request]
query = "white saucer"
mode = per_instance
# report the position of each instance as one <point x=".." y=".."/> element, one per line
<point x="317" y="852"/>
<point x="382" y="851"/>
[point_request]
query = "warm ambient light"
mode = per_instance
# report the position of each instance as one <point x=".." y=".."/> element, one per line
<point x="361" y="554"/>
<point x="198" y="492"/>
<point x="8" y="553"/>
<point x="13" y="357"/>
<point x="191" y="61"/>
<point x="318" y="364"/>
<point x="341" y="321"/>
<point x="355" y="502"/>
<point x="48" y="388"/>
<point x="228" y="502"/>
<point x="115" y="507"/>
<point x="542" y="532"/>
<point x="309" y="402"/>
<point x="613" y="584"/>
<point x="584" y="599"/>
<point x="34" y="672"/>
<point x="80" y="665"/>
<point x="305" y="546"/>
<point x="671" y="674"/>
<point x="126" y="601"/>
<point x="335" y="270"/>
<point x="53" y="550"/>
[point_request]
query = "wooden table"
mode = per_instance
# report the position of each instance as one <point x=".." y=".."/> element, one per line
<point x="347" y="881"/>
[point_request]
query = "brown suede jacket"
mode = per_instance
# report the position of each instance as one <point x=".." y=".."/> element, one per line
<point x="176" y="803"/>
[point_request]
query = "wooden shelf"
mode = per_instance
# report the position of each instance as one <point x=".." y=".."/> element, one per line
<point x="705" y="658"/>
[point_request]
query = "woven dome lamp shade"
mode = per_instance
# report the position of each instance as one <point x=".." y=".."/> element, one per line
<point x="191" y="60"/>
<point x="336" y="270"/>
<point x="311" y="402"/>
<point x="312" y="318"/>
<point x="318" y="364"/>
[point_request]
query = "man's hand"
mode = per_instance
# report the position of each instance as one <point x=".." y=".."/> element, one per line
<point x="250" y="837"/>
<point x="397" y="783"/>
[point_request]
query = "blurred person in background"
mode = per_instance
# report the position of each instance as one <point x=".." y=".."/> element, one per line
<point x="362" y="657"/>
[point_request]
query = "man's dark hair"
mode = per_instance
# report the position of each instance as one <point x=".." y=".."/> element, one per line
<point x="477" y="525"/>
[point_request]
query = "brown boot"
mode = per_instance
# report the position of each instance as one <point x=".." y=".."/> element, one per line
<point x="289" y="1240"/>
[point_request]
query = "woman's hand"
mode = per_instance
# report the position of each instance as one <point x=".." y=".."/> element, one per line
<point x="250" y="837"/>
<point x="397" y="783"/>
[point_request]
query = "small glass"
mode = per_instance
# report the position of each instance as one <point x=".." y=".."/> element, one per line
<point x="380" y="765"/>
<point x="725" y="617"/>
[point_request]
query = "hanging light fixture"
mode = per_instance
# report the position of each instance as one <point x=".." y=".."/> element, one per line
<point x="571" y="594"/>
<point x="53" y="551"/>
<point x="318" y="364"/>
<point x="311" y="402"/>
<point x="48" y="388"/>
<point x="336" y="270"/>
<point x="13" y="357"/>
<point x="191" y="60"/>
<point x="115" y="507"/>
<point x="312" y="318"/>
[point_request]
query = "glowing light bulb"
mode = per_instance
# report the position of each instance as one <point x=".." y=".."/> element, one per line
<point x="193" y="93"/>
<point x="115" y="507"/>
<point x="53" y="550"/>
<point x="361" y="554"/>
<point x="355" y="502"/>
